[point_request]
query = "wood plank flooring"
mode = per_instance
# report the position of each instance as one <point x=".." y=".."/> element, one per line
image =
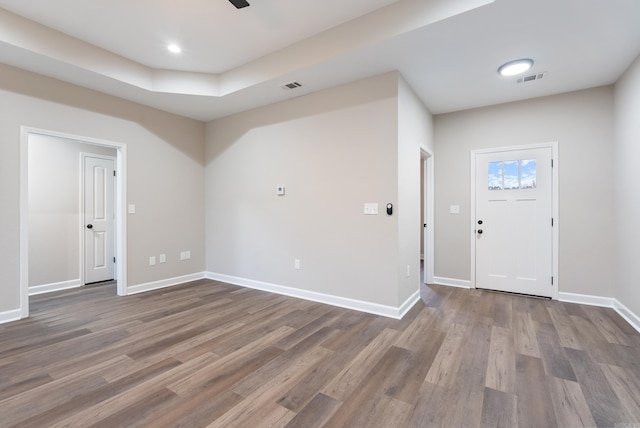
<point x="209" y="354"/>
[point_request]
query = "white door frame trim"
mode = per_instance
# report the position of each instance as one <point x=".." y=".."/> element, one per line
<point x="120" y="209"/>
<point x="554" y="200"/>
<point x="426" y="156"/>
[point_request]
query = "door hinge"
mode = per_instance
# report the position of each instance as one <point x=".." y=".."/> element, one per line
<point x="552" y="280"/>
<point x="114" y="259"/>
<point x="551" y="221"/>
<point x="551" y="163"/>
<point x="114" y="172"/>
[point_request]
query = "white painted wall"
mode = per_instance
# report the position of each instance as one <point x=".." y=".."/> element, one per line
<point x="165" y="172"/>
<point x="54" y="208"/>
<point x="627" y="187"/>
<point x="582" y="123"/>
<point x="333" y="151"/>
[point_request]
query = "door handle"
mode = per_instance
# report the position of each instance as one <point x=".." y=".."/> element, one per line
<point x="479" y="231"/>
<point x="89" y="226"/>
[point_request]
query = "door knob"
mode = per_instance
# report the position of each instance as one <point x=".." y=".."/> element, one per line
<point x="89" y="226"/>
<point x="479" y="221"/>
<point x="479" y="231"/>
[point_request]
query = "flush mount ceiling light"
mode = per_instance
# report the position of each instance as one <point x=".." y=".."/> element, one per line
<point x="518" y="66"/>
<point x="174" y="48"/>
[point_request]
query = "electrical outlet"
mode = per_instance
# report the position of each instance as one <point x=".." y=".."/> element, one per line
<point x="454" y="209"/>
<point x="152" y="261"/>
<point x="296" y="264"/>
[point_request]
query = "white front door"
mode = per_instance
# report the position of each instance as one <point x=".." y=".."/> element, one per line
<point x="99" y="219"/>
<point x="513" y="221"/>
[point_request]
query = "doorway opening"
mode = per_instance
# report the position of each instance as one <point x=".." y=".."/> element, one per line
<point x="73" y="259"/>
<point x="427" y="216"/>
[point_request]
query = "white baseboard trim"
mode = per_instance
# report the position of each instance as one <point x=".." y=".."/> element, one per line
<point x="451" y="282"/>
<point x="606" y="302"/>
<point x="342" y="302"/>
<point x="408" y="304"/>
<point x="56" y="286"/>
<point x="586" y="299"/>
<point x="9" y="316"/>
<point x="627" y="314"/>
<point x="164" y="283"/>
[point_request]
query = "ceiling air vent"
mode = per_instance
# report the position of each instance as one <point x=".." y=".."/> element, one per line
<point x="530" y="78"/>
<point x="290" y="86"/>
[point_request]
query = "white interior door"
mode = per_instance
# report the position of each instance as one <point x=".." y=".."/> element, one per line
<point x="513" y="221"/>
<point x="99" y="219"/>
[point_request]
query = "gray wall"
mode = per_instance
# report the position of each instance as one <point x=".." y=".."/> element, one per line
<point x="165" y="172"/>
<point x="333" y="150"/>
<point x="582" y="124"/>
<point x="627" y="187"/>
<point x="415" y="130"/>
<point x="54" y="208"/>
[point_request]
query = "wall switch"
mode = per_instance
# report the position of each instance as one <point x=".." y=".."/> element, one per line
<point x="163" y="258"/>
<point x="280" y="190"/>
<point x="132" y="209"/>
<point x="408" y="271"/>
<point x="296" y="264"/>
<point x="152" y="261"/>
<point x="182" y="255"/>
<point x="371" y="209"/>
<point x="187" y="255"/>
<point x="454" y="209"/>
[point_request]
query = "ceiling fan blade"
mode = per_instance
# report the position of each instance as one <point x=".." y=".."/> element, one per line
<point x="239" y="4"/>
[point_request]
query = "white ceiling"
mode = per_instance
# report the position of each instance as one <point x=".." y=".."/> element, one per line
<point x="234" y="60"/>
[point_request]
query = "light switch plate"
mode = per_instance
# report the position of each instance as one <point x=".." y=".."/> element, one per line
<point x="280" y="190"/>
<point x="371" y="208"/>
<point x="132" y="209"/>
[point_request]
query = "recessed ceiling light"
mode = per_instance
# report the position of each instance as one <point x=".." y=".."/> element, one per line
<point x="518" y="66"/>
<point x="174" y="48"/>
